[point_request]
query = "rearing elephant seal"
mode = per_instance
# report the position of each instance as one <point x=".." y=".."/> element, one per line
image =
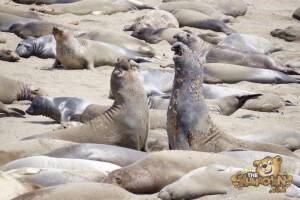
<point x="189" y="125"/>
<point x="125" y="124"/>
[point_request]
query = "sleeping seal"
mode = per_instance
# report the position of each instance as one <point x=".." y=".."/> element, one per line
<point x="289" y="34"/>
<point x="60" y="109"/>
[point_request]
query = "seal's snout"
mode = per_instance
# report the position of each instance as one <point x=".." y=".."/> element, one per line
<point x="30" y="111"/>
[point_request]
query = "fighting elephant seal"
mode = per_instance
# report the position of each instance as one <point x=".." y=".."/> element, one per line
<point x="60" y="109"/>
<point x="125" y="123"/>
<point x="83" y="191"/>
<point x="154" y="19"/>
<point x="216" y="54"/>
<point x="296" y="14"/>
<point x="11" y="111"/>
<point x="9" y="55"/>
<point x="100" y="152"/>
<point x="159" y="169"/>
<point x="189" y="125"/>
<point x="103" y="7"/>
<point x="42" y="47"/>
<point x="78" y="53"/>
<point x="199" y="20"/>
<point x="224" y="72"/>
<point x="289" y="34"/>
<point x="12" y="90"/>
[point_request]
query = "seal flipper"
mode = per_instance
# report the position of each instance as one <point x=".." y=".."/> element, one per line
<point x="18" y="111"/>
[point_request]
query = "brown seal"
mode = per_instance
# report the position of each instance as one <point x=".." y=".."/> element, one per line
<point x="189" y="125"/>
<point x="125" y="123"/>
<point x="9" y="55"/>
<point x="12" y="90"/>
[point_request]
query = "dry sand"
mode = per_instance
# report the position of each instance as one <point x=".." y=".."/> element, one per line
<point x="262" y="17"/>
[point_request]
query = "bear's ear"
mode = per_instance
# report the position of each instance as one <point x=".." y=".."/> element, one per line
<point x="278" y="159"/>
<point x="256" y="163"/>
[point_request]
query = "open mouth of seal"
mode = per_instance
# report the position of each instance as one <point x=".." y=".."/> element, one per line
<point x="177" y="50"/>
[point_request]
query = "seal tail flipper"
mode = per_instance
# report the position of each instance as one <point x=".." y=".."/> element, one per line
<point x="289" y="103"/>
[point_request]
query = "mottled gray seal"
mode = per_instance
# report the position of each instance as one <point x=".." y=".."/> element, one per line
<point x="125" y="123"/>
<point x="199" y="20"/>
<point x="154" y="36"/>
<point x="9" y="55"/>
<point x="159" y="169"/>
<point x="12" y="90"/>
<point x="154" y="19"/>
<point x="103" y="7"/>
<point x="11" y="111"/>
<point x="189" y="125"/>
<point x="196" y="6"/>
<point x="60" y="109"/>
<point x="229" y="73"/>
<point x="217" y="54"/>
<point x="296" y="14"/>
<point x="289" y="34"/>
<point x="249" y="43"/>
<point x="83" y="191"/>
<point x="100" y="152"/>
<point x="79" y="53"/>
<point x="42" y="47"/>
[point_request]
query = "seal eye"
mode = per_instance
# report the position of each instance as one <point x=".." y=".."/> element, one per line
<point x="270" y="162"/>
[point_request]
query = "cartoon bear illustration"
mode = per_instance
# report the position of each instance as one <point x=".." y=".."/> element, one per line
<point x="268" y="166"/>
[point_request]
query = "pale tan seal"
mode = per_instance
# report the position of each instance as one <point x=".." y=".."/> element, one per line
<point x="13" y="90"/>
<point x="125" y="123"/>
<point x="9" y="55"/>
<point x="103" y="7"/>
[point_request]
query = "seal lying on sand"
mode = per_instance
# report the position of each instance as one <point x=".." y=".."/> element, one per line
<point x="78" y="53"/>
<point x="12" y="90"/>
<point x="60" y="109"/>
<point x="189" y="125"/>
<point x="8" y="55"/>
<point x="103" y="7"/>
<point x="125" y="124"/>
<point x="216" y="54"/>
<point x="289" y="34"/>
<point x="18" y="11"/>
<point x="11" y="111"/>
<point x="8" y="20"/>
<point x="42" y="47"/>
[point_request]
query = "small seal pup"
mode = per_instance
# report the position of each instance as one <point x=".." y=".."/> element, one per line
<point x="289" y="34"/>
<point x="12" y="90"/>
<point x="78" y="53"/>
<point x="60" y="109"/>
<point x="216" y="54"/>
<point x="11" y="111"/>
<point x="189" y="125"/>
<point x="125" y="123"/>
<point x="42" y="47"/>
<point x="9" y="55"/>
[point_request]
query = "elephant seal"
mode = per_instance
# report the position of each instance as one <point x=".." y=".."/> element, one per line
<point x="42" y="47"/>
<point x="296" y="14"/>
<point x="233" y="8"/>
<point x="99" y="152"/>
<point x="199" y="20"/>
<point x="11" y="111"/>
<point x="224" y="72"/>
<point x="157" y="140"/>
<point x="48" y="2"/>
<point x="125" y="123"/>
<point x="12" y="188"/>
<point x="294" y="63"/>
<point x="289" y="34"/>
<point x="78" y="53"/>
<point x="18" y="11"/>
<point x="60" y="109"/>
<point x="196" y="6"/>
<point x="8" y="20"/>
<point x="83" y="191"/>
<point x="9" y="55"/>
<point x="12" y="90"/>
<point x="154" y="36"/>
<point x="154" y="19"/>
<point x="191" y="186"/>
<point x="103" y="7"/>
<point x="19" y="149"/>
<point x="216" y="54"/>
<point x="59" y="163"/>
<point x="189" y="125"/>
<point x="47" y="177"/>
<point x="159" y="169"/>
<point x="249" y="43"/>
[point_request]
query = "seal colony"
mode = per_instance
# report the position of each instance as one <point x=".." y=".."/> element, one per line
<point x="130" y="129"/>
